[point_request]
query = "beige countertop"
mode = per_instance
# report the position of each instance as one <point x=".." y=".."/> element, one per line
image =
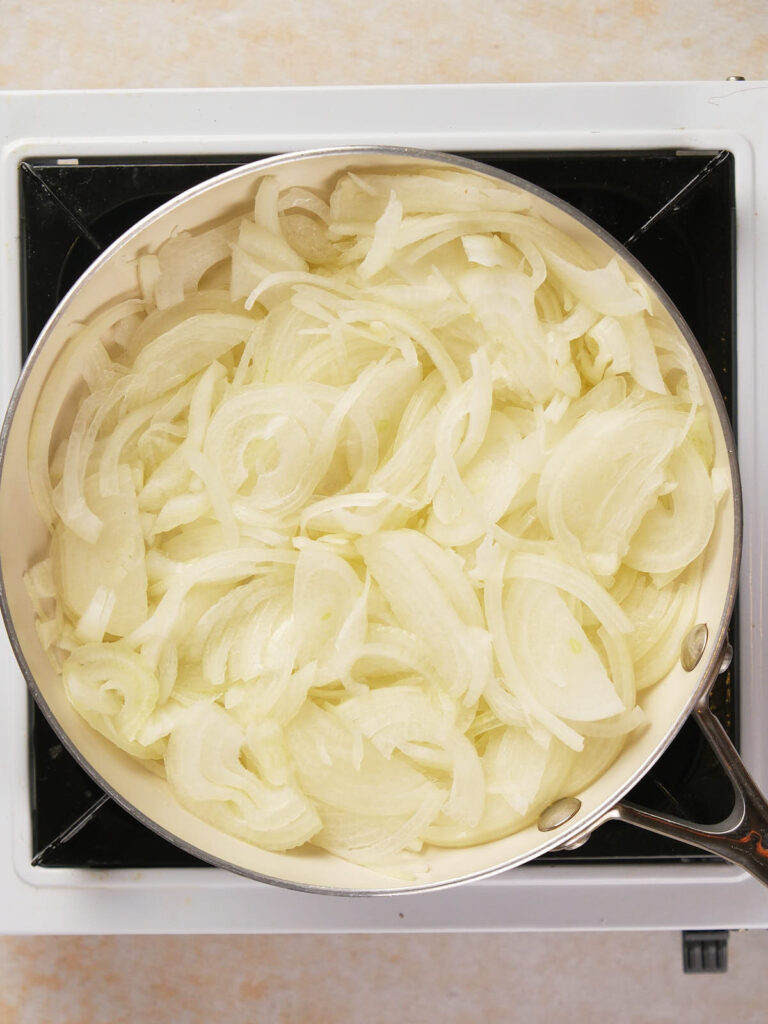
<point x="632" y="977"/>
<point x="614" y="978"/>
<point x="112" y="43"/>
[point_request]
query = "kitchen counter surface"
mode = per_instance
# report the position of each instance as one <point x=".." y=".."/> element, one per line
<point x="631" y="978"/>
<point x="112" y="44"/>
<point x="634" y="977"/>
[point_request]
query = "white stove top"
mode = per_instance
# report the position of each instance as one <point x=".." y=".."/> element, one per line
<point x="690" y="116"/>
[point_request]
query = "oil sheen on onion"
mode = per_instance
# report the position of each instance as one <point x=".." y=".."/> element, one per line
<point x="380" y="509"/>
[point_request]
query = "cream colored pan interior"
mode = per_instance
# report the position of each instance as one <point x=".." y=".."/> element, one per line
<point x="24" y="539"/>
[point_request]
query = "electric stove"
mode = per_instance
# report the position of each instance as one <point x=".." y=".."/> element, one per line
<point x="673" y="172"/>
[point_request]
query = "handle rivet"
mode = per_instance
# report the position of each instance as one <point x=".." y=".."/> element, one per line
<point x="725" y="664"/>
<point x="693" y="646"/>
<point x="558" y="813"/>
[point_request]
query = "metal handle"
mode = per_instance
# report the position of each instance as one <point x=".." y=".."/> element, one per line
<point x="742" y="837"/>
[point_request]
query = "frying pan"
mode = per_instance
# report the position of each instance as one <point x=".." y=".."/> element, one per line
<point x="742" y="838"/>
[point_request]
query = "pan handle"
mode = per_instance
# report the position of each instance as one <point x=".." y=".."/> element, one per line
<point x="742" y="837"/>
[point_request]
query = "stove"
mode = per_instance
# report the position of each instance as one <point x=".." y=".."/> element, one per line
<point x="673" y="171"/>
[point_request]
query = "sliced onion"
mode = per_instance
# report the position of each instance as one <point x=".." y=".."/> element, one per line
<point x="668" y="539"/>
<point x="372" y="515"/>
<point x="563" y="670"/>
<point x="113" y="690"/>
<point x="602" y="479"/>
<point x="207" y="774"/>
<point x="113" y="565"/>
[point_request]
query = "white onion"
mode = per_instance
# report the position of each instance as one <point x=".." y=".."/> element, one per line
<point x="374" y="543"/>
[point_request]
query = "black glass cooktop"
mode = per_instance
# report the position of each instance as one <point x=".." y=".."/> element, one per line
<point x="675" y="212"/>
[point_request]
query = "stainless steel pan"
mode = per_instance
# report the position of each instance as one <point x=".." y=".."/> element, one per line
<point x="741" y="838"/>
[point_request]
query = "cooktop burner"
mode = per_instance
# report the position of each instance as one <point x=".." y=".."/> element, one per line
<point x="674" y="210"/>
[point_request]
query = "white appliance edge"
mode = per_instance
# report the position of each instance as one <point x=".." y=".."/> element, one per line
<point x="705" y="116"/>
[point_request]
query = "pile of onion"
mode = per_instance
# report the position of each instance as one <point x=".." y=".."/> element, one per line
<point x="379" y="510"/>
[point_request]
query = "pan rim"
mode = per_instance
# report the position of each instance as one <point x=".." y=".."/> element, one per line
<point x="707" y="672"/>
